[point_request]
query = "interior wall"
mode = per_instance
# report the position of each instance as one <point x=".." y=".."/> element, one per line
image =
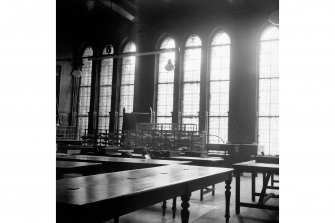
<point x="243" y="31"/>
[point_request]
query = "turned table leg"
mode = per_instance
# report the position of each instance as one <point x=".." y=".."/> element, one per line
<point x="227" y="194"/>
<point x="174" y="208"/>
<point x="185" y="213"/>
<point x="237" y="202"/>
<point x="253" y="186"/>
<point x="164" y="207"/>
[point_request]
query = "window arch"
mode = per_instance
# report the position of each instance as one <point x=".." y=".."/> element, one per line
<point x="105" y="89"/>
<point x="127" y="81"/>
<point x="268" y="92"/>
<point x="219" y="79"/>
<point x="165" y="83"/>
<point x="191" y="81"/>
<point x="85" y="91"/>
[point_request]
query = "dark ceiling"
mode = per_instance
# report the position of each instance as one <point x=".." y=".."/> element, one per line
<point x="149" y="11"/>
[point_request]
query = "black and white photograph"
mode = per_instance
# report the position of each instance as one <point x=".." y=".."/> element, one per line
<point x="168" y="111"/>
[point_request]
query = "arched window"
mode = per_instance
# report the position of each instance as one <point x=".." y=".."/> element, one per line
<point x="268" y="92"/>
<point x="165" y="83"/>
<point x="219" y="75"/>
<point x="85" y="91"/>
<point x="127" y="81"/>
<point x="105" y="96"/>
<point x="191" y="81"/>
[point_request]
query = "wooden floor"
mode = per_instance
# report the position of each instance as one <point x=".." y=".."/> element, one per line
<point x="211" y="209"/>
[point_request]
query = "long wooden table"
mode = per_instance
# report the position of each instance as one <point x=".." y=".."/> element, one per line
<point x="253" y="167"/>
<point x="106" y="159"/>
<point x="76" y="148"/>
<point x="85" y="168"/>
<point x="203" y="161"/>
<point x="101" y="197"/>
<point x="115" y="164"/>
<point x="268" y="159"/>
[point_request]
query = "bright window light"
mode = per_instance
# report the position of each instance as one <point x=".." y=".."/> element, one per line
<point x="191" y="81"/>
<point x="219" y="88"/>
<point x="165" y="83"/>
<point x="127" y="82"/>
<point x="268" y="92"/>
<point x="85" y="92"/>
<point x="105" y="96"/>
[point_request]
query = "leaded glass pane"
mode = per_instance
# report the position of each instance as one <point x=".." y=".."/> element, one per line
<point x="268" y="92"/>
<point x="218" y="126"/>
<point x="85" y="91"/>
<point x="193" y="40"/>
<point x="105" y="96"/>
<point x="219" y="88"/>
<point x="165" y="84"/>
<point x="191" y="99"/>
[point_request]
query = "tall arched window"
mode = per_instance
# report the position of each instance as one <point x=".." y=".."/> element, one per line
<point x="127" y="81"/>
<point x="85" y="91"/>
<point x="268" y="92"/>
<point x="165" y="83"/>
<point x="191" y="81"/>
<point x="105" y="96"/>
<point x="219" y="88"/>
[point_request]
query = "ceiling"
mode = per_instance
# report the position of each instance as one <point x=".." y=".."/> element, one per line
<point x="148" y="11"/>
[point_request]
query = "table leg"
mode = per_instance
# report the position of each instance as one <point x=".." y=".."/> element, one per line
<point x="164" y="207"/>
<point x="174" y="208"/>
<point x="227" y="194"/>
<point x="213" y="189"/>
<point x="185" y="213"/>
<point x="272" y="179"/>
<point x="253" y="186"/>
<point x="116" y="220"/>
<point x="265" y="184"/>
<point x="237" y="202"/>
<point x="201" y="194"/>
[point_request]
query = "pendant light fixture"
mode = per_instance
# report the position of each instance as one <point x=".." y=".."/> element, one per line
<point x="169" y="66"/>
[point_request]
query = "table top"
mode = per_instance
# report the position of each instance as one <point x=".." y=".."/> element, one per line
<point x="104" y="159"/>
<point x="68" y="140"/>
<point x="252" y="166"/>
<point x="268" y="156"/>
<point x="119" y="154"/>
<point x="212" y="159"/>
<point x="267" y="159"/>
<point x="80" y="146"/>
<point x="110" y="186"/>
<point x="74" y="164"/>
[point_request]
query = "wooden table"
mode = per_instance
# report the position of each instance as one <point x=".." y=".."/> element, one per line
<point x="101" y="197"/>
<point x="107" y="159"/>
<point x="203" y="161"/>
<point x="267" y="159"/>
<point x="121" y="154"/>
<point x="114" y="164"/>
<point x="85" y="168"/>
<point x="253" y="167"/>
<point x="77" y="148"/>
<point x="69" y="141"/>
<point x="200" y="161"/>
